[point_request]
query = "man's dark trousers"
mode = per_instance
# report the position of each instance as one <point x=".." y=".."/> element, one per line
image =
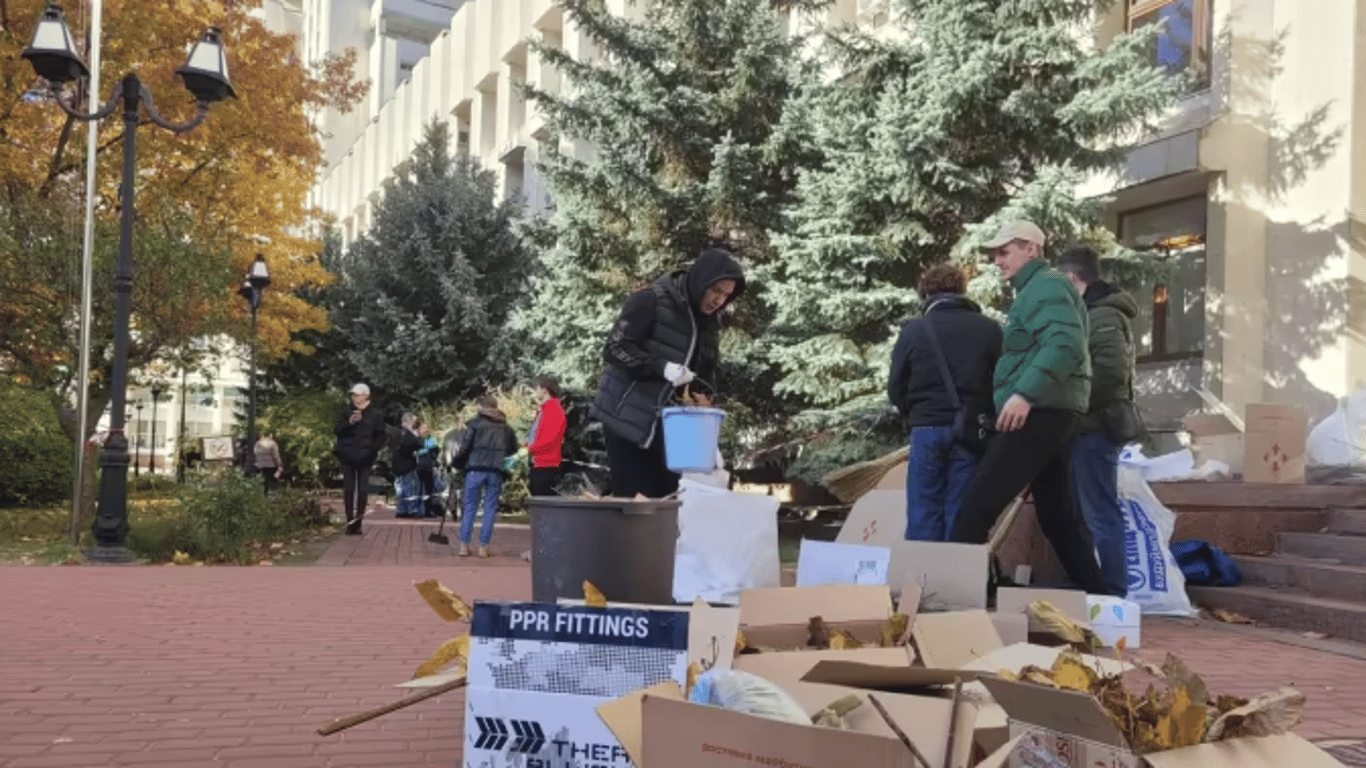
<point x="1037" y="455"/>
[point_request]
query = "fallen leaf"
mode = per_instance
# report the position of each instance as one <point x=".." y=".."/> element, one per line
<point x="833" y="714"/>
<point x="1184" y="723"/>
<point x="1269" y="714"/>
<point x="1314" y="635"/>
<point x="694" y="669"/>
<point x="893" y="633"/>
<point x="457" y="648"/>
<point x="448" y="605"/>
<point x="841" y="640"/>
<point x="180" y="558"/>
<point x="1229" y="617"/>
<point x="741" y="643"/>
<point x="818" y="635"/>
<point x="1072" y="674"/>
<point x="592" y="597"/>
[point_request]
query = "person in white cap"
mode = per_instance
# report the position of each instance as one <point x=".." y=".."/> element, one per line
<point x="1041" y="388"/>
<point x="360" y="435"/>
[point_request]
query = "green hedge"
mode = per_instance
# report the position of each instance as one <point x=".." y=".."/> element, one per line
<point x="36" y="461"/>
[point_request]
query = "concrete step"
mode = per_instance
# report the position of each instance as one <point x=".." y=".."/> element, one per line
<point x="1320" y="579"/>
<point x="1346" y="550"/>
<point x="1350" y="521"/>
<point x="1288" y="609"/>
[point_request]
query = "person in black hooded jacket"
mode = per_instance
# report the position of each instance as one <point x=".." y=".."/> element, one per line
<point x="667" y="336"/>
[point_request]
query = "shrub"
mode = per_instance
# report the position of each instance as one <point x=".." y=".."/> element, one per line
<point x="302" y="425"/>
<point x="34" y="451"/>
<point x="152" y="485"/>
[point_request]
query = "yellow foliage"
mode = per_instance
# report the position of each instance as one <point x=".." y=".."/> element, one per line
<point x="592" y="597"/>
<point x="455" y="649"/>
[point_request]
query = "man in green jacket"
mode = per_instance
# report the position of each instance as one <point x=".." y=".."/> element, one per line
<point x="1111" y="420"/>
<point x="1041" y="387"/>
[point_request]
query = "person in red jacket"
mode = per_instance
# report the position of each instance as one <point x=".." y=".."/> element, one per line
<point x="546" y="437"/>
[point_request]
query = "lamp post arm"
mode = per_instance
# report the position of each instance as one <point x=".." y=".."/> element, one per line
<point x="100" y="114"/>
<point x="201" y="112"/>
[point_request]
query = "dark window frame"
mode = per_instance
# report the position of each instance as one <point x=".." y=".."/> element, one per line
<point x="1202" y="34"/>
<point x="1160" y="353"/>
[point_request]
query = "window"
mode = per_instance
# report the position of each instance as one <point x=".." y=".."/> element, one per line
<point x="1171" y="320"/>
<point x="1183" y="46"/>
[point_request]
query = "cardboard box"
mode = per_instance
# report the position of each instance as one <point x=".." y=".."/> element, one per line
<point x="1214" y="437"/>
<point x="1114" y="619"/>
<point x="1016" y="600"/>
<point x="779" y="617"/>
<point x="822" y="563"/>
<point x="1274" y="443"/>
<point x="1051" y="726"/>
<point x="949" y="575"/>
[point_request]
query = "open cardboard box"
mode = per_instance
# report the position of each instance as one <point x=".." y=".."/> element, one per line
<point x="1051" y="726"/>
<point x="660" y="730"/>
<point x="779" y="618"/>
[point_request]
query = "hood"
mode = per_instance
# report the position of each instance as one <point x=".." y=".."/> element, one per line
<point x="950" y="301"/>
<point x="493" y="414"/>
<point x="712" y="265"/>
<point x="1102" y="294"/>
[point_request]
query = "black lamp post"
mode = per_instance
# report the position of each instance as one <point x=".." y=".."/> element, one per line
<point x="205" y="73"/>
<point x="258" y="278"/>
<point x="157" y="390"/>
<point x="137" y="446"/>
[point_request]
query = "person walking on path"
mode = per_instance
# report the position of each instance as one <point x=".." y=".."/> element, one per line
<point x="487" y="443"/>
<point x="403" y="447"/>
<point x="1041" y="387"/>
<point x="665" y="333"/>
<point x="940" y="468"/>
<point x="360" y="435"/>
<point x="267" y="461"/>
<point x="1111" y="420"/>
<point x="546" y="439"/>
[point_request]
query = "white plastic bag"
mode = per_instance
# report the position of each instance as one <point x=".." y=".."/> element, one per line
<point x="1340" y="439"/>
<point x="1155" y="580"/>
<point x="727" y="542"/>
<point x="744" y="692"/>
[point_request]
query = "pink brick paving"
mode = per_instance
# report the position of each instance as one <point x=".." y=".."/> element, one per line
<point x="184" y="666"/>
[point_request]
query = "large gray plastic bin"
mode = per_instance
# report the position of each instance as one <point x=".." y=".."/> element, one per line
<point x="624" y="546"/>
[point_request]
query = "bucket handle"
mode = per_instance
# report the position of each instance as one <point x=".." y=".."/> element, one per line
<point x="687" y="391"/>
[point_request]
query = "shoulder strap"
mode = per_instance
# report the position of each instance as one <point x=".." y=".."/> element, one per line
<point x="944" y="372"/>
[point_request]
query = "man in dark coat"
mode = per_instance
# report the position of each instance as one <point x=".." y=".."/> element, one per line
<point x="1111" y="419"/>
<point x="360" y="435"/>
<point x="667" y="336"/>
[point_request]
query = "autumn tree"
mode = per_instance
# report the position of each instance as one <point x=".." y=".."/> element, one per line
<point x="207" y="201"/>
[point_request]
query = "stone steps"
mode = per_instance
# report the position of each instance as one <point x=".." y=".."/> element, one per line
<point x="1315" y="577"/>
<point x="1347" y="521"/>
<point x="1289" y="608"/>
<point x="1339" y="548"/>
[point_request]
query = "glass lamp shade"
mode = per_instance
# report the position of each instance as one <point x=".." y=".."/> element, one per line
<point x="52" y="52"/>
<point x="205" y="70"/>
<point x="259" y="276"/>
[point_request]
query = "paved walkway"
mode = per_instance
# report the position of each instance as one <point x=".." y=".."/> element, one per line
<point x="221" y="666"/>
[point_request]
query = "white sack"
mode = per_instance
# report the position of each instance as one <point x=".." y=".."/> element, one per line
<point x="727" y="542"/>
<point x="1155" y="580"/>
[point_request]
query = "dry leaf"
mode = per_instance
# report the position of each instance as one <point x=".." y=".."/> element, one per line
<point x="834" y="713"/>
<point x="1071" y="674"/>
<point x="457" y="648"/>
<point x="1229" y="617"/>
<point x="1266" y="715"/>
<point x="1179" y="677"/>
<point x="893" y="633"/>
<point x="694" y="669"/>
<point x="1006" y="674"/>
<point x="741" y="643"/>
<point x="841" y="640"/>
<point x="448" y="605"/>
<point x="592" y="597"/>
<point x="1063" y="626"/>
<point x="1122" y="644"/>
<point x="1184" y="723"/>
<point x="180" y="558"/>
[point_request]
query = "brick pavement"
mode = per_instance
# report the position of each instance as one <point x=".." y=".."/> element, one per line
<point x="221" y="666"/>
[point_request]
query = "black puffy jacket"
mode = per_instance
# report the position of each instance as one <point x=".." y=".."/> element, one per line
<point x="971" y="343"/>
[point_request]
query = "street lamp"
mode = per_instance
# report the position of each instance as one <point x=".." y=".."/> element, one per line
<point x="258" y="278"/>
<point x="137" y="447"/>
<point x="157" y="390"/>
<point x="205" y="74"/>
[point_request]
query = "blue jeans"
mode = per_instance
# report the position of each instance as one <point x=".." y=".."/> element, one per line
<point x="491" y="483"/>
<point x="937" y="476"/>
<point x="1095" y="482"/>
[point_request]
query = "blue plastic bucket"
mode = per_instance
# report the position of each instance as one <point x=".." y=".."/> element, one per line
<point x="691" y="436"/>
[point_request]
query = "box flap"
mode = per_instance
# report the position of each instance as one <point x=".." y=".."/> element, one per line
<point x="1284" y="751"/>
<point x="623" y="716"/>
<point x="796" y="605"/>
<point x="794" y="664"/>
<point x="908" y="600"/>
<point x="711" y="634"/>
<point x="1207" y="424"/>
<point x="1071" y="602"/>
<point x="882" y="678"/>
<point x="949" y="575"/>
<point x="1000" y="757"/>
<point x="1071" y="712"/>
<point x="954" y="639"/>
<point x="1012" y="627"/>
<point x="681" y="735"/>
<point x="877" y="518"/>
<point x="1021" y="655"/>
<point x="821" y="563"/>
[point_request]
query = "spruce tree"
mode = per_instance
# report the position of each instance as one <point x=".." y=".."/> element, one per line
<point x="425" y="294"/>
<point x="683" y="110"/>
<point x="971" y="112"/>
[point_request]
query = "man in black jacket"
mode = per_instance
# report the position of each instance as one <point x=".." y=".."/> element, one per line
<point x="664" y="334"/>
<point x="487" y="443"/>
<point x="939" y="469"/>
<point x="360" y="435"/>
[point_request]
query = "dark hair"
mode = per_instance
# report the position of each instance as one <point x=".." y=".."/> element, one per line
<point x="943" y="278"/>
<point x="549" y="384"/>
<point x="1082" y="261"/>
<point x="488" y="401"/>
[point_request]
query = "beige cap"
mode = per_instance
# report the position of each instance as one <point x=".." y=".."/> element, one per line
<point x="1015" y="230"/>
<point x="360" y="389"/>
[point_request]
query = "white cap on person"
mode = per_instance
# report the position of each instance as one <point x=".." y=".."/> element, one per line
<point x="1015" y="230"/>
<point x="360" y="389"/>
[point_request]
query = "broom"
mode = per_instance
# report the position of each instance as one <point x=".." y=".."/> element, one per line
<point x="852" y="482"/>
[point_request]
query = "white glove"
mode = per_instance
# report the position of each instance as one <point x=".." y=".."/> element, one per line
<point x="677" y="375"/>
